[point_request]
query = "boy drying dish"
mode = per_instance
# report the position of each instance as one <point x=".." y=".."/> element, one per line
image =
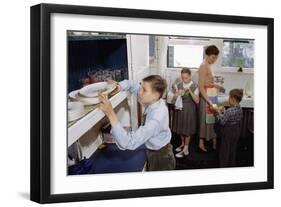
<point x="155" y="132"/>
<point x="229" y="124"/>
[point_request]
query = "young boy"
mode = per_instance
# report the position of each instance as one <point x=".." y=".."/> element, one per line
<point x="155" y="132"/>
<point x="229" y="123"/>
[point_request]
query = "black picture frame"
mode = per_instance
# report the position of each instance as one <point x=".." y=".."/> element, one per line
<point x="41" y="96"/>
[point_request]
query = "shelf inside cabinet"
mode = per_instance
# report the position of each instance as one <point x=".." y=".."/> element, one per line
<point x="80" y="127"/>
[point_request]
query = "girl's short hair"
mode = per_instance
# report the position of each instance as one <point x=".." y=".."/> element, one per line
<point x="186" y="70"/>
<point x="212" y="50"/>
<point x="237" y="94"/>
<point x="158" y="83"/>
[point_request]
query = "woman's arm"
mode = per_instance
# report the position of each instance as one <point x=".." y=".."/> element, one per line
<point x="202" y="80"/>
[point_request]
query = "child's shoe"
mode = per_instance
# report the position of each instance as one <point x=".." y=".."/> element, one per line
<point x="180" y="154"/>
<point x="179" y="149"/>
<point x="185" y="150"/>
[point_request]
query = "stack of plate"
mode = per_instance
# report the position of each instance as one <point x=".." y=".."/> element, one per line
<point x="88" y="95"/>
<point x="75" y="110"/>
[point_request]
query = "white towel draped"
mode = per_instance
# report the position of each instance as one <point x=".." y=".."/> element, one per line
<point x="178" y="103"/>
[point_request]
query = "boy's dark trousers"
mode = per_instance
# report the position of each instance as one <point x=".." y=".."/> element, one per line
<point x="228" y="144"/>
<point x="162" y="159"/>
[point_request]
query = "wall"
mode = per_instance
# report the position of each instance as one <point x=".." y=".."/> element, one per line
<point x="238" y="80"/>
<point x="15" y="109"/>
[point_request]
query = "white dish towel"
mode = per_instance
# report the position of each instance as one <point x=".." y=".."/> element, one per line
<point x="178" y="103"/>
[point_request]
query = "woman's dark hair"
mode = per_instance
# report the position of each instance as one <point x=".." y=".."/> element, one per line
<point x="186" y="70"/>
<point x="158" y="83"/>
<point x="212" y="50"/>
<point x="237" y="94"/>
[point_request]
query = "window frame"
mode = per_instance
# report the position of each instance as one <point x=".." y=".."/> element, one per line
<point x="186" y="41"/>
<point x="233" y="69"/>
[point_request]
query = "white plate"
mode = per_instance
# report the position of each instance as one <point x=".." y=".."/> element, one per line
<point x="75" y="110"/>
<point x="92" y="90"/>
<point x="86" y="101"/>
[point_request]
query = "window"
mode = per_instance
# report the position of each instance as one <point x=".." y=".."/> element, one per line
<point x="185" y="55"/>
<point x="238" y="54"/>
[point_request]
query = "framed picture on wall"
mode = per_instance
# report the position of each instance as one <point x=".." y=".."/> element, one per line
<point x="87" y="60"/>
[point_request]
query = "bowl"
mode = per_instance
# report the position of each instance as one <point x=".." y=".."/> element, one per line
<point x="94" y="89"/>
<point x="75" y="95"/>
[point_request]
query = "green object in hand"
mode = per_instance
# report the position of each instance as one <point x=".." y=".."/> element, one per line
<point x="210" y="119"/>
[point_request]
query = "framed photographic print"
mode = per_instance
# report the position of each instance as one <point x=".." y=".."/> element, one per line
<point x="132" y="103"/>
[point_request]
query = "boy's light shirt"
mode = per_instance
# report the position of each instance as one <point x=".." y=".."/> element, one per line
<point x="155" y="133"/>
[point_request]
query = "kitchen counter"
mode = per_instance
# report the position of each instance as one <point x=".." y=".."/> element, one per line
<point x="246" y="102"/>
